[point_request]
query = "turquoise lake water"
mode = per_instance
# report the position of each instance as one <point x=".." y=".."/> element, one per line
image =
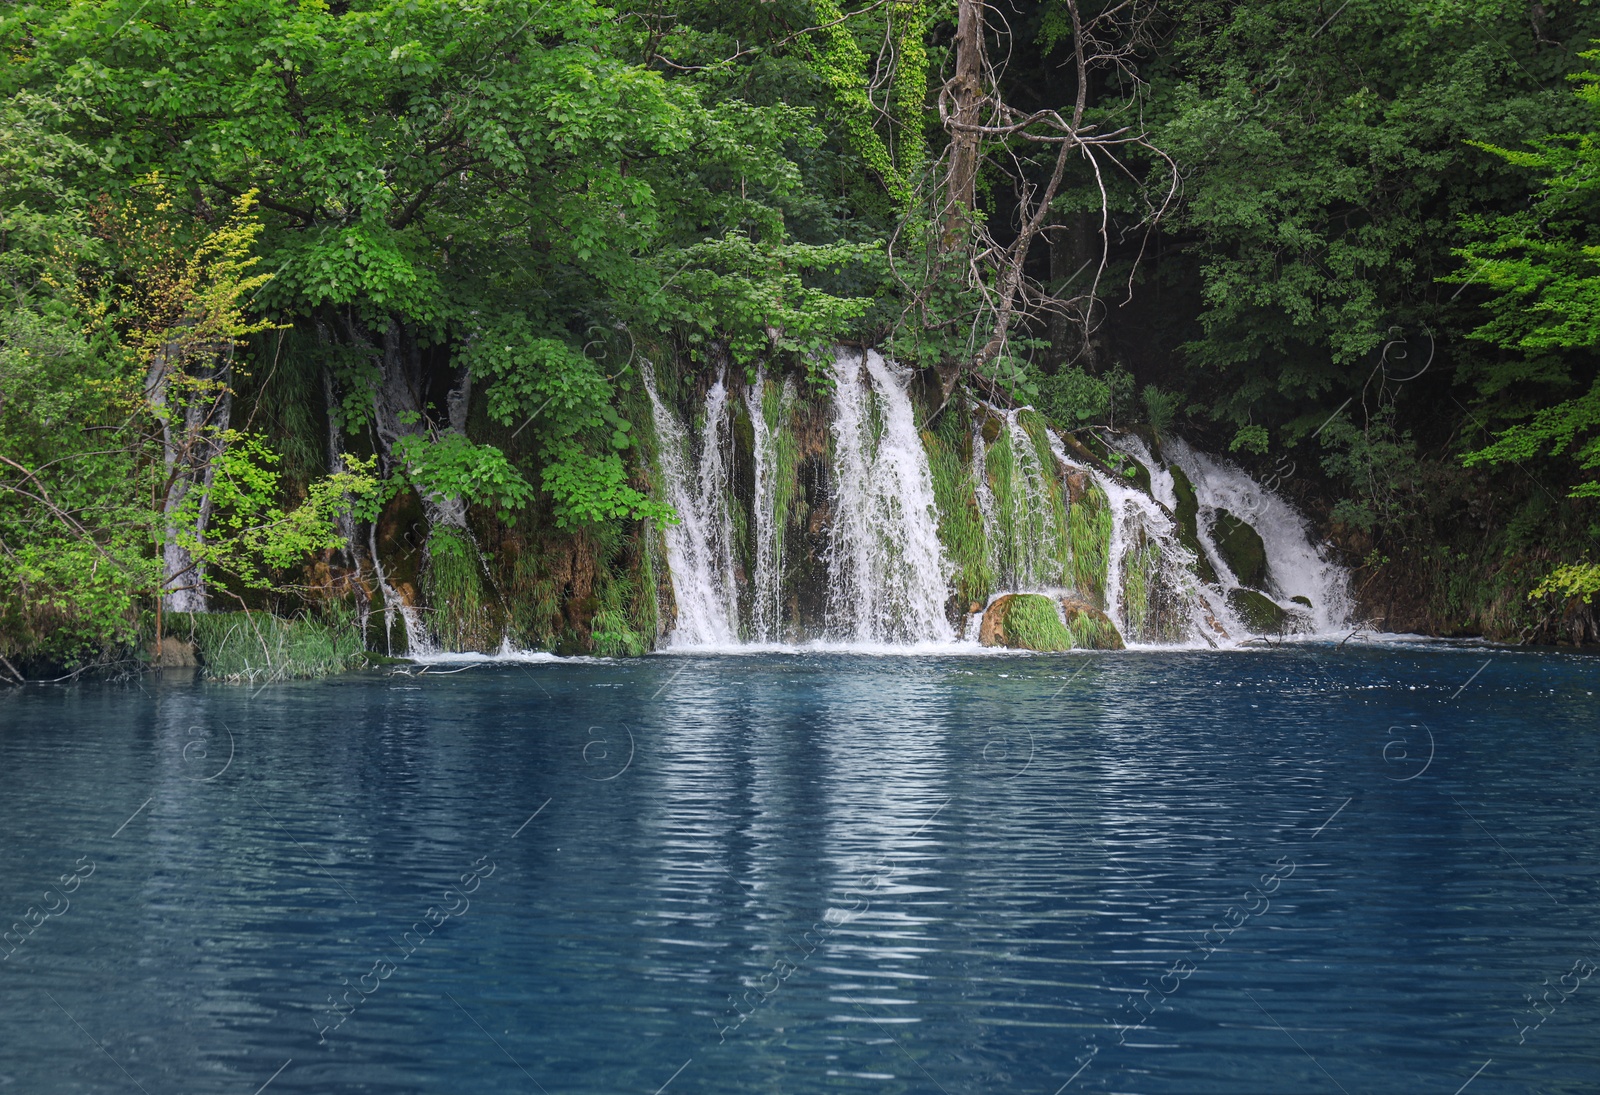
<point x="1304" y="869"/>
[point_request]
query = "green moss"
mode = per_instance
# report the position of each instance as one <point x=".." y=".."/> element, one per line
<point x="1091" y="629"/>
<point x="785" y="469"/>
<point x="1136" y="600"/>
<point x="1001" y="467"/>
<point x="615" y="629"/>
<point x="462" y="615"/>
<point x="1241" y="548"/>
<point x="1051" y="523"/>
<point x="1030" y="622"/>
<point x="960" y="521"/>
<point x="1089" y="539"/>
<point x="646" y="607"/>
<point x="535" y="598"/>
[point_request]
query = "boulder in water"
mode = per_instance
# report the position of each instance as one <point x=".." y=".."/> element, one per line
<point x="1091" y="628"/>
<point x="1024" y="621"/>
<point x="1241" y="548"/>
<point x="1029" y="621"/>
<point x="1258" y="611"/>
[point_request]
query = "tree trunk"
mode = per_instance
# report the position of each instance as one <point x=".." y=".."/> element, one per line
<point x="194" y="415"/>
<point x="967" y="90"/>
<point x="400" y="406"/>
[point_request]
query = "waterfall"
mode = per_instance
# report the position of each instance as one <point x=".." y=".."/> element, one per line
<point x="1151" y="576"/>
<point x="766" y="608"/>
<point x="1296" y="565"/>
<point x="1027" y="526"/>
<point x="887" y="569"/>
<point x="830" y="530"/>
<point x="418" y="642"/>
<point x="1147" y="563"/>
<point x="984" y="495"/>
<point x="700" y="546"/>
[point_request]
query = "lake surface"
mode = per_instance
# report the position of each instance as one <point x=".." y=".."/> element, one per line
<point x="1305" y="869"/>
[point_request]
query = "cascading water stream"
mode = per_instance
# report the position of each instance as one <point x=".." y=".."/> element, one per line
<point x="700" y="547"/>
<point x="1296" y="565"/>
<point x="887" y="569"/>
<point x="766" y="608"/>
<point x="1144" y="534"/>
<point x="984" y="495"/>
<point x="1030" y="554"/>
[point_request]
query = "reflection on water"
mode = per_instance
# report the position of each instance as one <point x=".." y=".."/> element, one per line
<point x="1276" y="871"/>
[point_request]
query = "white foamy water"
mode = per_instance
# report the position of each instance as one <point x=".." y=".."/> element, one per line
<point x="700" y="547"/>
<point x="766" y="609"/>
<point x="1296" y="564"/>
<point x="887" y="571"/>
<point x="1137" y="519"/>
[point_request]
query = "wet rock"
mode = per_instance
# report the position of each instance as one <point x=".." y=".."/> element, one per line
<point x="1024" y="621"/>
<point x="1188" y="518"/>
<point x="1091" y="629"/>
<point x="1030" y="621"/>
<point x="1258" y="611"/>
<point x="1077" y="484"/>
<point x="173" y="653"/>
<point x="1241" y="548"/>
<point x="1188" y="510"/>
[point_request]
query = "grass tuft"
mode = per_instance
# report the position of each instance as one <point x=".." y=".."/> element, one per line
<point x="259" y="647"/>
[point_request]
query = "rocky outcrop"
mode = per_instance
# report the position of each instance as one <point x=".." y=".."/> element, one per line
<point x="1031" y="621"/>
<point x="1091" y="628"/>
<point x="1241" y="548"/>
<point x="172" y="653"/>
<point x="1258" y="611"/>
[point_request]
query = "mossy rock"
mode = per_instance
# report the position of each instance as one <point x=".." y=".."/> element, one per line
<point x="1091" y="629"/>
<point x="1135" y="472"/>
<point x="1024" y="621"/>
<point x="1258" y="611"/>
<point x="1188" y="513"/>
<point x="1188" y="518"/>
<point x="1241" y="548"/>
<point x="1029" y="621"/>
